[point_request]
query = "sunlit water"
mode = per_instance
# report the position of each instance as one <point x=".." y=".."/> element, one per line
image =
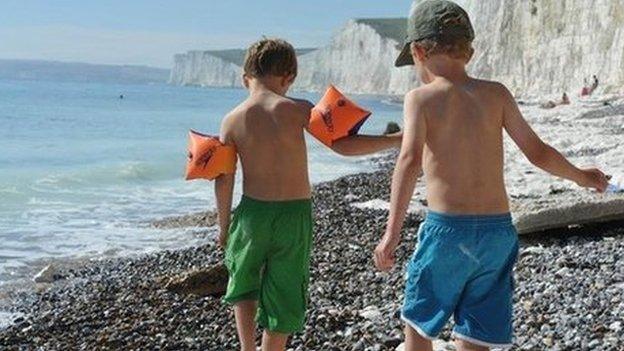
<point x="82" y="171"/>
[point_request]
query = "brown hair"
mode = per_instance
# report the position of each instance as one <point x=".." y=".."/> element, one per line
<point x="274" y="57"/>
<point x="457" y="49"/>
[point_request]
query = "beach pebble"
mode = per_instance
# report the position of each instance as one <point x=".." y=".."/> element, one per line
<point x="49" y="274"/>
<point x="438" y="345"/>
<point x="616" y="326"/>
<point x="211" y="281"/>
<point x="532" y="250"/>
<point x="370" y="312"/>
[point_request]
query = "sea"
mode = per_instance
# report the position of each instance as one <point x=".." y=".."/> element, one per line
<point x="85" y="167"/>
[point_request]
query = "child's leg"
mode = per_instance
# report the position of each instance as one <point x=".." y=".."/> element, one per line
<point x="245" y="313"/>
<point x="274" y="341"/>
<point x="463" y="345"/>
<point x="415" y="342"/>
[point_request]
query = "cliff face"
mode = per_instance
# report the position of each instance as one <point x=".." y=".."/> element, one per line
<point x="213" y="68"/>
<point x="533" y="46"/>
<point x="359" y="59"/>
<point x="549" y="46"/>
<point x="204" y="69"/>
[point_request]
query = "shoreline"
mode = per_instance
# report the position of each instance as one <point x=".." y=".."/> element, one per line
<point x="563" y="277"/>
<point x="200" y="223"/>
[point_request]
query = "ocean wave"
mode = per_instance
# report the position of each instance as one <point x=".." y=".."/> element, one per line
<point x="130" y="171"/>
<point x="137" y="171"/>
<point x="9" y="190"/>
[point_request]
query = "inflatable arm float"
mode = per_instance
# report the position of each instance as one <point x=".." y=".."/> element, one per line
<point x="208" y="158"/>
<point x="336" y="117"/>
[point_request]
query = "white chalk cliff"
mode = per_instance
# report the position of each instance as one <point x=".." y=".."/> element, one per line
<point x="359" y="59"/>
<point x="549" y="46"/>
<point x="533" y="46"/>
<point x="202" y="68"/>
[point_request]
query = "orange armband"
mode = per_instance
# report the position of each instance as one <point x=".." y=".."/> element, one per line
<point x="208" y="158"/>
<point x="335" y="117"/>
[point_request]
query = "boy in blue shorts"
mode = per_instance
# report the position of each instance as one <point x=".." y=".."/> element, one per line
<point x="453" y="132"/>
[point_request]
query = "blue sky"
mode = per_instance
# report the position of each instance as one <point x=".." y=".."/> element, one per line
<point x="149" y="32"/>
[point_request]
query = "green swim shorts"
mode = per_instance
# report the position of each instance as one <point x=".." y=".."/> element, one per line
<point x="268" y="259"/>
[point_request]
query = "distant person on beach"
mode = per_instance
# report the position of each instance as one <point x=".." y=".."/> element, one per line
<point x="565" y="100"/>
<point x="268" y="241"/>
<point x="588" y="90"/>
<point x="585" y="89"/>
<point x="467" y="244"/>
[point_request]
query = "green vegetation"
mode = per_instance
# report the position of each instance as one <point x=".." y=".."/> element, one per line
<point x="235" y="56"/>
<point x="393" y="28"/>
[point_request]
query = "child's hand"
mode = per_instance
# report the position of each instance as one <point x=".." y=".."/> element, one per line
<point x="594" y="178"/>
<point x="222" y="240"/>
<point x="384" y="253"/>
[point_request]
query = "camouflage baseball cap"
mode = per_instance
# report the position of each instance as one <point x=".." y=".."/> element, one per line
<point x="434" y="19"/>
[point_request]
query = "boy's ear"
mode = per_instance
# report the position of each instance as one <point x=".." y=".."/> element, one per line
<point x="470" y="54"/>
<point x="288" y="80"/>
<point x="418" y="53"/>
<point x="245" y="79"/>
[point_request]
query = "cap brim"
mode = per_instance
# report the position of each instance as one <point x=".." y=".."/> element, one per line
<point x="405" y="57"/>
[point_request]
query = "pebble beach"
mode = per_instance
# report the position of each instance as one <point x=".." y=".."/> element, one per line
<point x="569" y="289"/>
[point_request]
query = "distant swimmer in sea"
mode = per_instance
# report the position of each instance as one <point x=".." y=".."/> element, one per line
<point x="121" y="96"/>
<point x="565" y="100"/>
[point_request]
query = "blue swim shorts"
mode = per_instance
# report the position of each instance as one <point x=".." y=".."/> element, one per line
<point x="463" y="266"/>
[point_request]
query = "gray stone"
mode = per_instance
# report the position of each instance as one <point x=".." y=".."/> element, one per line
<point x="49" y="274"/>
<point x="211" y="281"/>
<point x="370" y="312"/>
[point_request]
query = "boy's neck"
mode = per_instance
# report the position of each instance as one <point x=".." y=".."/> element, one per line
<point x="264" y="85"/>
<point x="445" y="67"/>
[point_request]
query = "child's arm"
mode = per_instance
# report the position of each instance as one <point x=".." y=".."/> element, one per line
<point x="543" y="155"/>
<point x="406" y="172"/>
<point x="356" y="145"/>
<point x="224" y="187"/>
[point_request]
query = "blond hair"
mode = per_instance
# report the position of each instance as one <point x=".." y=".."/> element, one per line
<point x="460" y="49"/>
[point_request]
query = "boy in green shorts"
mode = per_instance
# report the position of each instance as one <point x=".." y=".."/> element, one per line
<point x="268" y="242"/>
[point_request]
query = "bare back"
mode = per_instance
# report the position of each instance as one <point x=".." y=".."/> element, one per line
<point x="463" y="149"/>
<point x="268" y="131"/>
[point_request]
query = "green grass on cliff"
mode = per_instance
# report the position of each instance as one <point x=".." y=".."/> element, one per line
<point x="393" y="28"/>
<point x="237" y="56"/>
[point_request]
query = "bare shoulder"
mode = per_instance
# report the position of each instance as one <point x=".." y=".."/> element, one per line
<point x="423" y="96"/>
<point x="303" y="104"/>
<point x="229" y="121"/>
<point x="493" y="88"/>
<point x="293" y="107"/>
<point x="420" y="96"/>
<point x="235" y="114"/>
